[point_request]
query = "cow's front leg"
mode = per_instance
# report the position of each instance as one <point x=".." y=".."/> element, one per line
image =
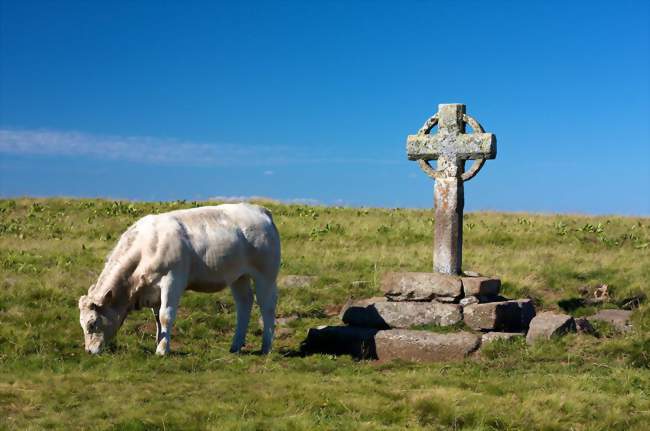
<point x="156" y="314"/>
<point x="171" y="288"/>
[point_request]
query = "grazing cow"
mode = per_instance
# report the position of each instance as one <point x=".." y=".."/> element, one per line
<point x="203" y="249"/>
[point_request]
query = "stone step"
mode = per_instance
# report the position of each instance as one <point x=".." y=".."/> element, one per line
<point x="420" y="286"/>
<point x="506" y="316"/>
<point x="424" y="346"/>
<point x="481" y="286"/>
<point x="384" y="314"/>
<point x="427" y="286"/>
<point x="404" y="344"/>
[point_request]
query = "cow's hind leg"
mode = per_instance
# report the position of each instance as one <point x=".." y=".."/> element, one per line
<point x="171" y="287"/>
<point x="266" y="292"/>
<point x="243" y="295"/>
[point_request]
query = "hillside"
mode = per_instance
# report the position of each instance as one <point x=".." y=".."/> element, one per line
<point x="51" y="251"/>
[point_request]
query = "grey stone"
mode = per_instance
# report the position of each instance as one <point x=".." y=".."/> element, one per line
<point x="420" y="286"/>
<point x="488" y="337"/>
<point x="341" y="340"/>
<point x="386" y="314"/>
<point x="423" y="346"/>
<point x="299" y="281"/>
<point x="549" y="324"/>
<point x="468" y="300"/>
<point x="620" y="319"/>
<point x="451" y="147"/>
<point x="510" y="316"/>
<point x="485" y="286"/>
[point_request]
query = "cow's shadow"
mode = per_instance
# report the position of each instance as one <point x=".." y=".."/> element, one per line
<point x="357" y="339"/>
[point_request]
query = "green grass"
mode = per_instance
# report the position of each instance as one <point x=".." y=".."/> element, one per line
<point x="51" y="250"/>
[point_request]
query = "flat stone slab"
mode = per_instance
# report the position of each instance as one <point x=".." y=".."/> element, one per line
<point x="420" y="286"/>
<point x="423" y="346"/>
<point x="620" y="319"/>
<point x="475" y="286"/>
<point x="489" y="337"/>
<point x="387" y="314"/>
<point x="299" y="281"/>
<point x="341" y="340"/>
<point x="426" y="286"/>
<point x="506" y="316"/>
<point x="549" y="324"/>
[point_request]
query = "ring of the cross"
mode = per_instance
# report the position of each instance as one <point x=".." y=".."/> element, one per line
<point x="428" y="169"/>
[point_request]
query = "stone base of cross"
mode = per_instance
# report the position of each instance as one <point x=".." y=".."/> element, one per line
<point x="389" y="327"/>
<point x="451" y="147"/>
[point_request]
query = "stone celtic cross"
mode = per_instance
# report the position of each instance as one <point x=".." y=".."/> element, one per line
<point x="451" y="147"/>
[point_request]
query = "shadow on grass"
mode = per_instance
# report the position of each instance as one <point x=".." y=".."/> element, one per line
<point x="571" y="304"/>
<point x="291" y="353"/>
<point x="172" y="353"/>
<point x="357" y="342"/>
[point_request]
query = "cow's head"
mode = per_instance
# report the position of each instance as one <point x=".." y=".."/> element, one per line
<point x="99" y="322"/>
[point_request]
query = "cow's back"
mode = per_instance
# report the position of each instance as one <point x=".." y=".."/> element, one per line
<point x="216" y="244"/>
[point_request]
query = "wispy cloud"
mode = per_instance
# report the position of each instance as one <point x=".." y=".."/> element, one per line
<point x="301" y="201"/>
<point x="147" y="149"/>
<point x="132" y="148"/>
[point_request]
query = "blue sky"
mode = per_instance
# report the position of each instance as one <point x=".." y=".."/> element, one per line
<point x="313" y="101"/>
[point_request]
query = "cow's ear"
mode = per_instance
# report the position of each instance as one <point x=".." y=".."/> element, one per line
<point x="108" y="297"/>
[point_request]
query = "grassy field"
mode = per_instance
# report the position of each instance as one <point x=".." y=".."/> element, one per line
<point x="52" y="250"/>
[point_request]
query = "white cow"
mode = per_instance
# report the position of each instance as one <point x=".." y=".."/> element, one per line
<point x="203" y="249"/>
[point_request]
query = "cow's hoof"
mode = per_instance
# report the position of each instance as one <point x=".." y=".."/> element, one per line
<point x="236" y="346"/>
<point x="163" y="348"/>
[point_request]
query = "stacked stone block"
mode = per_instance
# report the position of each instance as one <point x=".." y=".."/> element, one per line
<point x="391" y="327"/>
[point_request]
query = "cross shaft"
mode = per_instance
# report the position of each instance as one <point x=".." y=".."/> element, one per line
<point x="451" y="147"/>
